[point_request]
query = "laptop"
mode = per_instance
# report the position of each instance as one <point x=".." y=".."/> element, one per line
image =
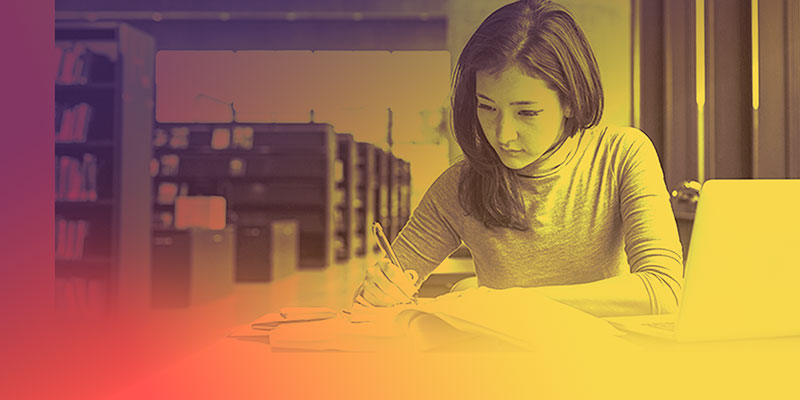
<point x="742" y="275"/>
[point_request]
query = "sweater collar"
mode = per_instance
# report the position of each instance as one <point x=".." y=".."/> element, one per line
<point x="551" y="163"/>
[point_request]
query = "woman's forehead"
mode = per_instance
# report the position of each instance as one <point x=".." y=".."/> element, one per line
<point x="509" y="82"/>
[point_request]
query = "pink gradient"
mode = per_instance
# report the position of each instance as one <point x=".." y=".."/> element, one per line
<point x="26" y="241"/>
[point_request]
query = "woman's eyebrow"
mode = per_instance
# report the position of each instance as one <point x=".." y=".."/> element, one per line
<point x="484" y="97"/>
<point x="513" y="103"/>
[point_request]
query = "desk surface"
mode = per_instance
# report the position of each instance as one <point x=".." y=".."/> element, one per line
<point x="632" y="367"/>
<point x="221" y="367"/>
<point x="245" y="369"/>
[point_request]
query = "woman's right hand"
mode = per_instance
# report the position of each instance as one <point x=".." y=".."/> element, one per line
<point x="385" y="285"/>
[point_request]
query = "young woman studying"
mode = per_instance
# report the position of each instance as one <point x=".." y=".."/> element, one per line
<point x="545" y="198"/>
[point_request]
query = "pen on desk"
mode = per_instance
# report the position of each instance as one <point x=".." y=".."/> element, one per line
<point x="383" y="243"/>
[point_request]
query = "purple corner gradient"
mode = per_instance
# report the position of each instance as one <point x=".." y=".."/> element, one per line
<point x="26" y="237"/>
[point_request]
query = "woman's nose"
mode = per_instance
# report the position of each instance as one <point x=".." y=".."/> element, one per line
<point x="506" y="131"/>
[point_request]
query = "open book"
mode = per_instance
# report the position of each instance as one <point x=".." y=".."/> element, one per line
<point x="516" y="316"/>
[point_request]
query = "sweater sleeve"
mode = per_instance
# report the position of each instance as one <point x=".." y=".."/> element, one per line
<point x="431" y="233"/>
<point x="650" y="232"/>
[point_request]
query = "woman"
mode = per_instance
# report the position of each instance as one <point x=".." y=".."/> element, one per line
<point x="545" y="198"/>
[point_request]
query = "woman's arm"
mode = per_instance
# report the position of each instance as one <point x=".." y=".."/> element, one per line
<point x="428" y="238"/>
<point x="651" y="242"/>
<point x="620" y="295"/>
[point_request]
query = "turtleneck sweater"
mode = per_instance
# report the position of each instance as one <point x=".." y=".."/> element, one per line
<point x="601" y="211"/>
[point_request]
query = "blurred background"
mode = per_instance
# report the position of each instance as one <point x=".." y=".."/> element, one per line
<point x="207" y="150"/>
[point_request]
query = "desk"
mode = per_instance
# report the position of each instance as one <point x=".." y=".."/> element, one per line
<point x="630" y="367"/>
<point x="634" y="368"/>
<point x="241" y="369"/>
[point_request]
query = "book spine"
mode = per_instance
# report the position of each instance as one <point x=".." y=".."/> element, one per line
<point x="83" y="232"/>
<point x="63" y="177"/>
<point x="89" y="178"/>
<point x="61" y="237"/>
<point x="74" y="180"/>
<point x="59" y="61"/>
<point x="67" y="124"/>
<point x="83" y="112"/>
<point x="79" y="65"/>
<point x="71" y="242"/>
<point x="67" y="66"/>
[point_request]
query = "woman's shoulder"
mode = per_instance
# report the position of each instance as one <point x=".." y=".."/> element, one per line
<point x="443" y="192"/>
<point x="619" y="140"/>
<point x="448" y="181"/>
<point x="618" y="136"/>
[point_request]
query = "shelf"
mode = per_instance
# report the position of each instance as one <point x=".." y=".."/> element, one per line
<point x="265" y="179"/>
<point x="90" y="145"/>
<point x="257" y="150"/>
<point x="89" y="87"/>
<point x="78" y="203"/>
<point x="262" y="207"/>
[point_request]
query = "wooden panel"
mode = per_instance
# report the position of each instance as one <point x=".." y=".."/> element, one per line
<point x="793" y="85"/>
<point x="652" y="66"/>
<point x="680" y="108"/>
<point x="729" y="97"/>
<point x="770" y="152"/>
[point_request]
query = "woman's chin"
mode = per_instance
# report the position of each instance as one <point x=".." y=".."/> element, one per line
<point x="517" y="164"/>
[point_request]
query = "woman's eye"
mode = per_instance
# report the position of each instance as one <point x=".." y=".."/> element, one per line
<point x="485" y="107"/>
<point x="529" y="113"/>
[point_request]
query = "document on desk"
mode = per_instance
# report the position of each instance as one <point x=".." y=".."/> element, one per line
<point x="519" y="317"/>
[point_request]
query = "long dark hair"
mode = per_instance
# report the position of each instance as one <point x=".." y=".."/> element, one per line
<point x="543" y="39"/>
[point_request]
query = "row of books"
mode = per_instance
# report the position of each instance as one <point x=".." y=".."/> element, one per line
<point x="169" y="164"/>
<point x="222" y="138"/>
<point x="80" y="296"/>
<point x="72" y="122"/>
<point x="70" y="238"/>
<point x="77" y="65"/>
<point x="168" y="191"/>
<point x="76" y="180"/>
<point x="166" y="165"/>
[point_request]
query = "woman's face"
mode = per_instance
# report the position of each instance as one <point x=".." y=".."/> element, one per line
<point x="521" y="117"/>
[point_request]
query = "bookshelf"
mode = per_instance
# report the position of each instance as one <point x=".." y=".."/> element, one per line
<point x="103" y="113"/>
<point x="403" y="193"/>
<point x="381" y="192"/>
<point x="398" y="194"/>
<point x="365" y="196"/>
<point x="345" y="198"/>
<point x="393" y="197"/>
<point x="266" y="172"/>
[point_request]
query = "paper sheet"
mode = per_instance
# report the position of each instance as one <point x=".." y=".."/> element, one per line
<point x="517" y="316"/>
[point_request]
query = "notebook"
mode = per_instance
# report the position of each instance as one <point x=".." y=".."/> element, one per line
<point x="743" y="267"/>
<point x="514" y="316"/>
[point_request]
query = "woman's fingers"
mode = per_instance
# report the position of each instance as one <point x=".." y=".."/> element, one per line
<point x="379" y="289"/>
<point x="399" y="278"/>
<point x="391" y="292"/>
